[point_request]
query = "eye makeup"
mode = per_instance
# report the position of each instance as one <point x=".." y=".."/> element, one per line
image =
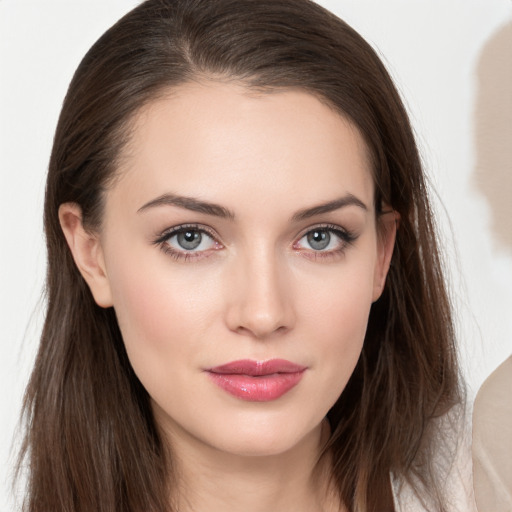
<point x="325" y="241"/>
<point x="188" y="242"/>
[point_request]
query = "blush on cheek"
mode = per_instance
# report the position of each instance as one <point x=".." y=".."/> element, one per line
<point x="343" y="329"/>
<point x="144" y="318"/>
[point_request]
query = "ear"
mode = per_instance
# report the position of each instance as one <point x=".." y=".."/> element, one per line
<point x="387" y="226"/>
<point x="87" y="253"/>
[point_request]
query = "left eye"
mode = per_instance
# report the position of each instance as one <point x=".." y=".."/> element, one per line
<point x="323" y="239"/>
<point x="189" y="239"/>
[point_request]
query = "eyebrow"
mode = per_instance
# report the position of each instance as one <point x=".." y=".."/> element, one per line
<point x="330" y="206"/>
<point x="196" y="205"/>
<point x="189" y="203"/>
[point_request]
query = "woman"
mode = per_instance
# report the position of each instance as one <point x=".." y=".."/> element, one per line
<point x="246" y="308"/>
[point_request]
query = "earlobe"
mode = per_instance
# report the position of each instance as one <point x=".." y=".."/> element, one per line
<point x="87" y="253"/>
<point x="387" y="227"/>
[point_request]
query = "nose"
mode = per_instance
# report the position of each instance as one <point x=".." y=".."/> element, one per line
<point x="260" y="296"/>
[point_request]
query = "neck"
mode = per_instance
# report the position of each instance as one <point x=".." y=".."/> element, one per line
<point x="209" y="480"/>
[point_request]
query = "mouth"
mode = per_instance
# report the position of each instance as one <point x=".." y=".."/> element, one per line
<point x="257" y="381"/>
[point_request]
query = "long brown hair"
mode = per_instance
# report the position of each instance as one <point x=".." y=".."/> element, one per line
<point x="91" y="441"/>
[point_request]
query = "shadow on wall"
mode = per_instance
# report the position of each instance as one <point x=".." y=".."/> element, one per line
<point x="493" y="133"/>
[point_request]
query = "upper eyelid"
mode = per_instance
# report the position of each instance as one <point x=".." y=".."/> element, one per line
<point x="326" y="226"/>
<point x="168" y="232"/>
<point x="347" y="237"/>
<point x="184" y="227"/>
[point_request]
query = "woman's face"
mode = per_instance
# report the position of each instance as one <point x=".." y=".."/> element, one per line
<point x="240" y="252"/>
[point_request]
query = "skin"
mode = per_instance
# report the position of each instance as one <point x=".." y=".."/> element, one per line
<point x="255" y="288"/>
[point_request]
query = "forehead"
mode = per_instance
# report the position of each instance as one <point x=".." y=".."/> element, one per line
<point x="223" y="139"/>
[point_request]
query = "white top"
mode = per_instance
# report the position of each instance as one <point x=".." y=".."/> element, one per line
<point x="455" y="464"/>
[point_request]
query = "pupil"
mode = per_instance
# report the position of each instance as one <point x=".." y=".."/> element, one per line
<point x="319" y="239"/>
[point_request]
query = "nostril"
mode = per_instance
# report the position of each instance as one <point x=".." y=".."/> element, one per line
<point x="259" y="332"/>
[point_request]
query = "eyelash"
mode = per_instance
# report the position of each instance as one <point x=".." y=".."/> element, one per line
<point x="346" y="237"/>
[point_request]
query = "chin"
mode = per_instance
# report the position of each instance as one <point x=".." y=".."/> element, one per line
<point x="264" y="437"/>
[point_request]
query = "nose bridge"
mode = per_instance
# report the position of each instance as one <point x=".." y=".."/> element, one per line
<point x="261" y="303"/>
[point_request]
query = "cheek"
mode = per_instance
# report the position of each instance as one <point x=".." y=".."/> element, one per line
<point x="337" y="315"/>
<point x="343" y="343"/>
<point x="160" y="313"/>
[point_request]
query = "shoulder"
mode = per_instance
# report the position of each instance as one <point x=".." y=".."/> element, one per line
<point x="495" y="394"/>
<point x="492" y="441"/>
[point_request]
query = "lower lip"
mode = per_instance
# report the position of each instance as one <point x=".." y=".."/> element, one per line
<point x="263" y="388"/>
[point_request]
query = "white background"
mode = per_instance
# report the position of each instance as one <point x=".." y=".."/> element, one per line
<point x="433" y="49"/>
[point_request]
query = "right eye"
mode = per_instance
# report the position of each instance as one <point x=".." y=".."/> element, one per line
<point x="187" y="241"/>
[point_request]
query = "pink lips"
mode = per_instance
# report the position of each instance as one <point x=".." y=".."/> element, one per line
<point x="257" y="381"/>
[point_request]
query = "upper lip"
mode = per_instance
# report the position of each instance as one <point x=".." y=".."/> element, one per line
<point x="257" y="368"/>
